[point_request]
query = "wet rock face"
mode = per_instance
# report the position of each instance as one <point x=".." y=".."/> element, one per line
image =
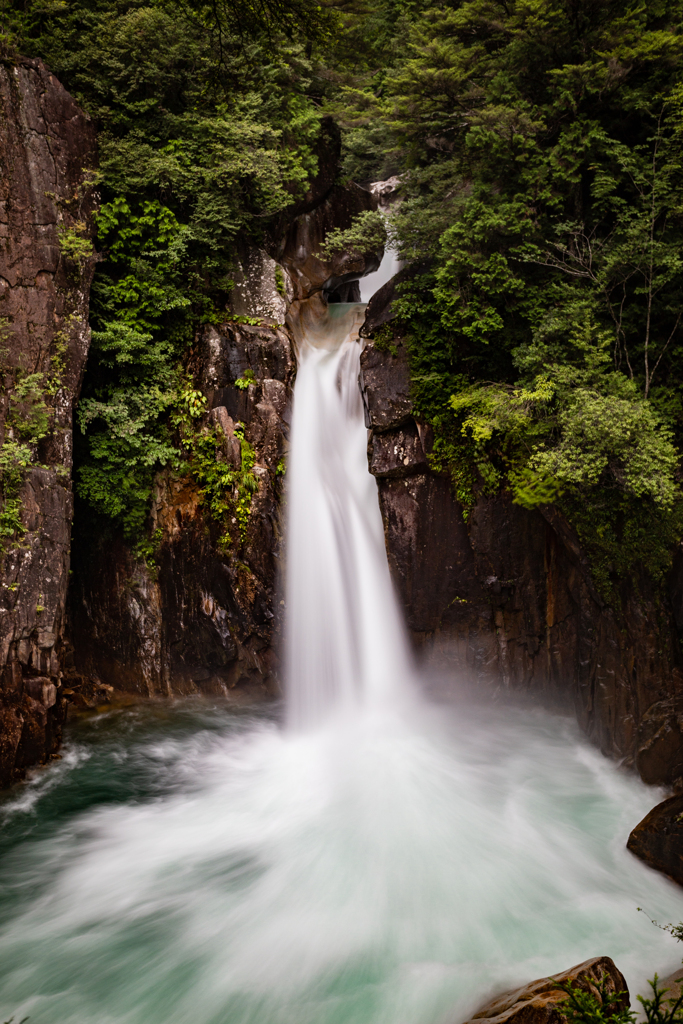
<point x="46" y="142"/>
<point x="385" y="383"/>
<point x="658" y="838"/>
<point x="540" y="1002"/>
<point x="507" y="595"/>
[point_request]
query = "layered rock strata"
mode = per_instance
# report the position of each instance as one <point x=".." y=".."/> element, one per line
<point x="47" y="147"/>
<point x="506" y="595"/>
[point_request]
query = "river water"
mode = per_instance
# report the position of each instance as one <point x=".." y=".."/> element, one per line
<point x="357" y="856"/>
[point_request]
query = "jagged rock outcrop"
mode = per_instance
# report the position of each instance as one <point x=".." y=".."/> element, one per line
<point x="540" y="1002"/>
<point x="299" y="250"/>
<point x="507" y="594"/>
<point x="47" y="146"/>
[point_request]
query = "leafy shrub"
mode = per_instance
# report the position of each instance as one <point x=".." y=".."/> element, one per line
<point x="367" y="234"/>
<point x="73" y="244"/>
<point x="585" y="1008"/>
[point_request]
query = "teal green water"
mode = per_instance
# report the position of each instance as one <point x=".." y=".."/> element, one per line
<point x="191" y="863"/>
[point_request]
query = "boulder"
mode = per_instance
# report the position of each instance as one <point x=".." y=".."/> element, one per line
<point x="672" y="985"/>
<point x="658" y="838"/>
<point x="540" y="1002"/>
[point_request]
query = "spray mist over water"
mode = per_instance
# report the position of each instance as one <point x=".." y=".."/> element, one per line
<point x="379" y="861"/>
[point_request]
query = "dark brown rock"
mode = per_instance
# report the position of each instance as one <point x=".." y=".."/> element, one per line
<point x="299" y="251"/>
<point x="380" y="309"/>
<point x="385" y="382"/>
<point x="540" y="1002"/>
<point x="397" y="452"/>
<point x="658" y="838"/>
<point x="46" y="144"/>
<point x="115" y="621"/>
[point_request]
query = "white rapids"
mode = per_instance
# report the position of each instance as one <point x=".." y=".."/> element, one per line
<point x="375" y="861"/>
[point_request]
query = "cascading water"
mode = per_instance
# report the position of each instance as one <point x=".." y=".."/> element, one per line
<point x="377" y="862"/>
<point x="346" y="651"/>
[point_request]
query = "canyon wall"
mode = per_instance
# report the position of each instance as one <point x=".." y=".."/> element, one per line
<point x="505" y="595"/>
<point x="47" y="147"/>
<point x="202" y="616"/>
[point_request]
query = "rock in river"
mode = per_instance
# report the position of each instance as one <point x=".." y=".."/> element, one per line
<point x="658" y="838"/>
<point x="540" y="1002"/>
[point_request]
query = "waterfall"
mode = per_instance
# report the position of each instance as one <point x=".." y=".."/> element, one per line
<point x="346" y="648"/>
<point x="376" y="861"/>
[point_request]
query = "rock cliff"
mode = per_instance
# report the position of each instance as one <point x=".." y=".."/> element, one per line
<point x="506" y="595"/>
<point x="204" y="617"/>
<point x="47" y="148"/>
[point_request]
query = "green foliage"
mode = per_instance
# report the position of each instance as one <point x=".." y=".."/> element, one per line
<point x="367" y="234"/>
<point x="280" y="281"/>
<point x="73" y="244"/>
<point x="15" y="459"/>
<point x="28" y="421"/>
<point x="542" y="222"/>
<point x="226" y="491"/>
<point x="243" y="382"/>
<point x="125" y="420"/>
<point x="583" y="1007"/>
<point x="207" y="131"/>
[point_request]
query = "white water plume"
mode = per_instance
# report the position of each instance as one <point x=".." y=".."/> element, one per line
<point x="380" y="861"/>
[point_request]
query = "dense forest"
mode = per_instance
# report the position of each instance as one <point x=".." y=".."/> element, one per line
<point x="539" y="145"/>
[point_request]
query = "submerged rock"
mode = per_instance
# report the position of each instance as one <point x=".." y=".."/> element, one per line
<point x="658" y="838"/>
<point x="540" y="1002"/>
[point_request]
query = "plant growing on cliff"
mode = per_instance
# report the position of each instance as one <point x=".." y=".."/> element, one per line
<point x="74" y="245"/>
<point x="27" y="422"/>
<point x="224" y="489"/>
